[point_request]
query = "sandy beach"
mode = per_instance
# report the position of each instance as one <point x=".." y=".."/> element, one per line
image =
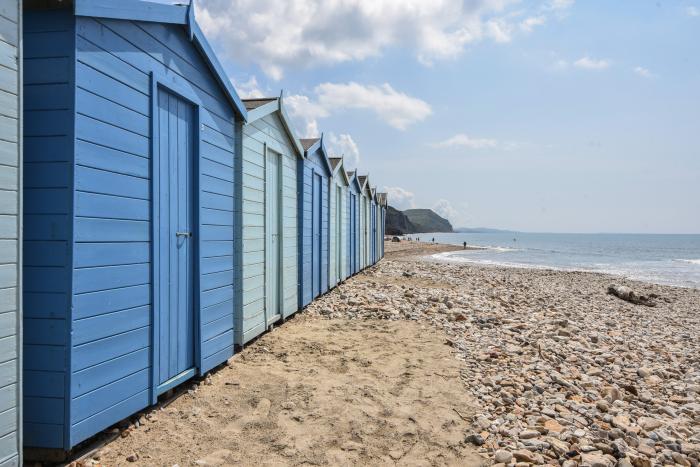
<point x="418" y="362"/>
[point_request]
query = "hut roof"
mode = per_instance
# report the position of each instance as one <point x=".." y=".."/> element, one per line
<point x="140" y="10"/>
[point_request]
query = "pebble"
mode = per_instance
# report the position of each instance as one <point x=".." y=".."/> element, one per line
<point x="558" y="369"/>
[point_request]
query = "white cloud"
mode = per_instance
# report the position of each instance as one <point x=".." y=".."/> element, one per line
<point x="693" y="11"/>
<point x="463" y="141"/>
<point x="249" y="89"/>
<point x="643" y="72"/>
<point x="529" y="24"/>
<point x="303" y="33"/>
<point x="560" y="4"/>
<point x="589" y="63"/>
<point x="397" y="109"/>
<point x="305" y="113"/>
<point x="499" y="30"/>
<point x="399" y="198"/>
<point x="444" y="208"/>
<point x="344" y="146"/>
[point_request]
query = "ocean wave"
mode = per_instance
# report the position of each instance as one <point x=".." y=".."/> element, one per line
<point x="691" y="261"/>
<point x="499" y="249"/>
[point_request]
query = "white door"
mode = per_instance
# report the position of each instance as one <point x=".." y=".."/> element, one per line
<point x="273" y="238"/>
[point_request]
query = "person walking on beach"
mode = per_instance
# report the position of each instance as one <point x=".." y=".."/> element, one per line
<point x="465" y="245"/>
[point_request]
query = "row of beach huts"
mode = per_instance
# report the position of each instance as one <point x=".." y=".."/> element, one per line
<point x="151" y="221"/>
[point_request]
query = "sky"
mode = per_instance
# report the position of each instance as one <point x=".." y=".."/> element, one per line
<point x="546" y="116"/>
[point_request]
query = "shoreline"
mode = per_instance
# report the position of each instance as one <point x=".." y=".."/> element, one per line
<point x="449" y="248"/>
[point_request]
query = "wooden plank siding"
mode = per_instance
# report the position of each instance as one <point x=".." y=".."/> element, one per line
<point x="338" y="182"/>
<point x="256" y="135"/>
<point x="48" y="159"/>
<point x="89" y="182"/>
<point x="10" y="234"/>
<point x="313" y="165"/>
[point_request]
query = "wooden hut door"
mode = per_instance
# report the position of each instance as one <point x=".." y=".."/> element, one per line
<point x="338" y="232"/>
<point x="316" y="225"/>
<point x="353" y="234"/>
<point x="273" y="238"/>
<point x="175" y="313"/>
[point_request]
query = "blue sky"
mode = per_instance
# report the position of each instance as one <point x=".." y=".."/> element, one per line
<point x="557" y="115"/>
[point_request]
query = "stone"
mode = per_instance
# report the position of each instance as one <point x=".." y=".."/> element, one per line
<point x="622" y="422"/>
<point x="647" y="450"/>
<point x="553" y="426"/>
<point x="528" y="434"/>
<point x="649" y="423"/>
<point x="525" y="455"/>
<point x="132" y="457"/>
<point x="644" y="372"/>
<point x="475" y="439"/>
<point x="595" y="459"/>
<point x="502" y="456"/>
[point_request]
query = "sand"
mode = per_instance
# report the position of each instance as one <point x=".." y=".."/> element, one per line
<point x="316" y="392"/>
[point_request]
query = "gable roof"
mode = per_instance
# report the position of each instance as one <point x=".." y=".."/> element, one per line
<point x="352" y="177"/>
<point x="261" y="107"/>
<point x="142" y="10"/>
<point x="307" y="143"/>
<point x="338" y="166"/>
<point x="382" y="198"/>
<point x="335" y="161"/>
<point x="252" y="104"/>
<point x="312" y="145"/>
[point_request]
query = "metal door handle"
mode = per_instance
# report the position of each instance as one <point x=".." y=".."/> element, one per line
<point x="183" y="234"/>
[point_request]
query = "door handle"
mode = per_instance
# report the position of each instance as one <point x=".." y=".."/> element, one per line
<point x="183" y="234"/>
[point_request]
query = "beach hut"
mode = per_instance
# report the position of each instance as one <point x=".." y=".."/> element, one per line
<point x="10" y="232"/>
<point x="339" y="222"/>
<point x="268" y="195"/>
<point x="314" y="213"/>
<point x="365" y="219"/>
<point x="373" y="227"/>
<point x="381" y="221"/>
<point x="128" y="211"/>
<point x="353" y="200"/>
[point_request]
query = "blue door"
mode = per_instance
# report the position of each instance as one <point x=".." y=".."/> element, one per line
<point x="353" y="233"/>
<point x="371" y="234"/>
<point x="316" y="213"/>
<point x="174" y="216"/>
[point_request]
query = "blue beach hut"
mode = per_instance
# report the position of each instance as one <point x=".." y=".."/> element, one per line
<point x="268" y="194"/>
<point x="373" y="227"/>
<point x="315" y="172"/>
<point x="365" y="220"/>
<point x="339" y="222"/>
<point x="353" y="224"/>
<point x="130" y="131"/>
<point x="381" y="221"/>
<point x="10" y="233"/>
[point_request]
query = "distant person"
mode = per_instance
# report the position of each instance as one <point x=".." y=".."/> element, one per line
<point x="465" y="245"/>
<point x="433" y="239"/>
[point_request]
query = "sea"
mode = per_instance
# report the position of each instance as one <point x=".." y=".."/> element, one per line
<point x="660" y="259"/>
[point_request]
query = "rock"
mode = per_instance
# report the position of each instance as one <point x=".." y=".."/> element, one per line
<point x="528" y="434"/>
<point x="502" y="456"/>
<point x="475" y="439"/>
<point x="622" y="422"/>
<point x="644" y="372"/>
<point x="649" y="423"/>
<point x="525" y="455"/>
<point x="132" y="457"/>
<point x="553" y="426"/>
<point x="596" y="459"/>
<point x="647" y="450"/>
